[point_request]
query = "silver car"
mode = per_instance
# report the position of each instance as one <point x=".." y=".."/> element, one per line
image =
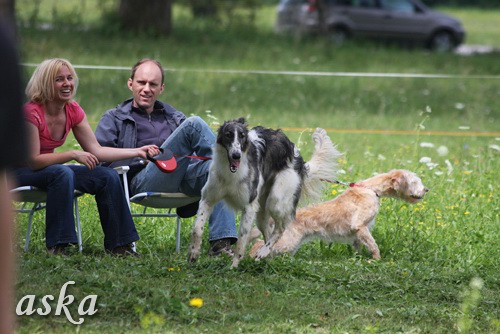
<point x="408" y="20"/>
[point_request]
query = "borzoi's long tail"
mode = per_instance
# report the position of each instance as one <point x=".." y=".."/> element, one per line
<point x="323" y="165"/>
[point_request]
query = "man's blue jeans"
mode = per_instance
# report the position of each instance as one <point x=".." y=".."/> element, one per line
<point x="60" y="181"/>
<point x="192" y="136"/>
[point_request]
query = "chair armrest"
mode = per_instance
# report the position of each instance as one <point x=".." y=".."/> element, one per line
<point x="122" y="169"/>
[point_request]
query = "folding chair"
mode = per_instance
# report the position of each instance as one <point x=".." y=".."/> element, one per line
<point x="158" y="200"/>
<point x="30" y="194"/>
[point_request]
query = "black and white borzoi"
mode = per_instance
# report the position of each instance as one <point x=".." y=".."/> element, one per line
<point x="261" y="172"/>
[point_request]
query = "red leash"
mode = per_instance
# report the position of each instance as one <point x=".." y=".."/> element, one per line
<point x="193" y="157"/>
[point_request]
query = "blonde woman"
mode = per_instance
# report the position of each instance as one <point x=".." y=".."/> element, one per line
<point x="51" y="114"/>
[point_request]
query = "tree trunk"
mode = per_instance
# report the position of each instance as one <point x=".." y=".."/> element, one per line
<point x="321" y="5"/>
<point x="151" y="16"/>
<point x="204" y="8"/>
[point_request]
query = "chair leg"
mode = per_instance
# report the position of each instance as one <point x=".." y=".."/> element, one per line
<point x="178" y="235"/>
<point x="30" y="223"/>
<point x="35" y="208"/>
<point x="78" y="226"/>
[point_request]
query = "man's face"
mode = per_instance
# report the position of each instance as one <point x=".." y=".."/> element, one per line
<point x="146" y="86"/>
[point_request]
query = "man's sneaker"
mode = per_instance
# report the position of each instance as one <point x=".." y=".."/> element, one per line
<point x="221" y="246"/>
<point x="188" y="211"/>
<point x="127" y="250"/>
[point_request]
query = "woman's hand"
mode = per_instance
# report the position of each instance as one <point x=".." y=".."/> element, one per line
<point x="86" y="158"/>
<point x="150" y="150"/>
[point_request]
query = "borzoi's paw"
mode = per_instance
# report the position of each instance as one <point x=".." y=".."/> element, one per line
<point x="193" y="254"/>
<point x="263" y="252"/>
<point x="236" y="261"/>
<point x="255" y="248"/>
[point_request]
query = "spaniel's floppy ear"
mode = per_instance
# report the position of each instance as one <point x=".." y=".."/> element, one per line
<point x="241" y="120"/>
<point x="397" y="178"/>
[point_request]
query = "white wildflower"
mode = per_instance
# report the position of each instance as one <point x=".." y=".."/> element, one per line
<point x="438" y="172"/>
<point x="432" y="165"/>
<point x="494" y="147"/>
<point x="442" y="150"/>
<point x="381" y="157"/>
<point x="464" y="127"/>
<point x="449" y="166"/>
<point x="476" y="283"/>
<point x="425" y="160"/>
<point x="459" y="106"/>
<point x="424" y="144"/>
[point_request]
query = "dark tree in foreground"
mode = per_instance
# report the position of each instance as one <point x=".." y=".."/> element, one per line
<point x="7" y="13"/>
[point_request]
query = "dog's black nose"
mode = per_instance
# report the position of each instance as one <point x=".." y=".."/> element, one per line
<point x="236" y="155"/>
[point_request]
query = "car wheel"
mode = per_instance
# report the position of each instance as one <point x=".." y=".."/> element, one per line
<point x="442" y="41"/>
<point x="338" y="35"/>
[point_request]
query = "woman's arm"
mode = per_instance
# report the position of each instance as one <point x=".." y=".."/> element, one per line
<point x="86" y="138"/>
<point x="39" y="161"/>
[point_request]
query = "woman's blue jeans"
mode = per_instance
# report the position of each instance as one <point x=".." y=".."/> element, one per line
<point x="193" y="136"/>
<point x="60" y="181"/>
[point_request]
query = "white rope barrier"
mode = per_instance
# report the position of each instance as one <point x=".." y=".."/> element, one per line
<point x="299" y="73"/>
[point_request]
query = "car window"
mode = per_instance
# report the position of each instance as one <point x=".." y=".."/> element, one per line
<point x="364" y="3"/>
<point x="404" y="6"/>
<point x="339" y="2"/>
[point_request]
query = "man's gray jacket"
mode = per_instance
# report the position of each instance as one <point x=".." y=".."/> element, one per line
<point x="117" y="128"/>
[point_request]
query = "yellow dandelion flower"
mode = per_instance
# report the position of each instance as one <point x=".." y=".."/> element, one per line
<point x="174" y="269"/>
<point x="334" y="192"/>
<point x="196" y="302"/>
<point x="466" y="213"/>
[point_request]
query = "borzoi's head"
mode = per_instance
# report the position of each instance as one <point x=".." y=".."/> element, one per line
<point x="233" y="137"/>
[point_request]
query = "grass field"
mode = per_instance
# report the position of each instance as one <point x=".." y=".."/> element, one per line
<point x="440" y="258"/>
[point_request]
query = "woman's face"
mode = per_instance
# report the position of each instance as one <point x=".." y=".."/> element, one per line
<point x="64" y="85"/>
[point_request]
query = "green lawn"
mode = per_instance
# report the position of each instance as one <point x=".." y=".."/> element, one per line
<point x="440" y="258"/>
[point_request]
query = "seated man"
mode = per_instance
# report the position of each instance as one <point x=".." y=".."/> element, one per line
<point x="145" y="120"/>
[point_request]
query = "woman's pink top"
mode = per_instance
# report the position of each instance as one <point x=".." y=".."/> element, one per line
<point x="34" y="113"/>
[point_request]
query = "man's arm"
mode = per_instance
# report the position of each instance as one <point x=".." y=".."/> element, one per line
<point x="106" y="131"/>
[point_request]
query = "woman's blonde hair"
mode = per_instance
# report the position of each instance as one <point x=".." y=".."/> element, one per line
<point x="40" y="88"/>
